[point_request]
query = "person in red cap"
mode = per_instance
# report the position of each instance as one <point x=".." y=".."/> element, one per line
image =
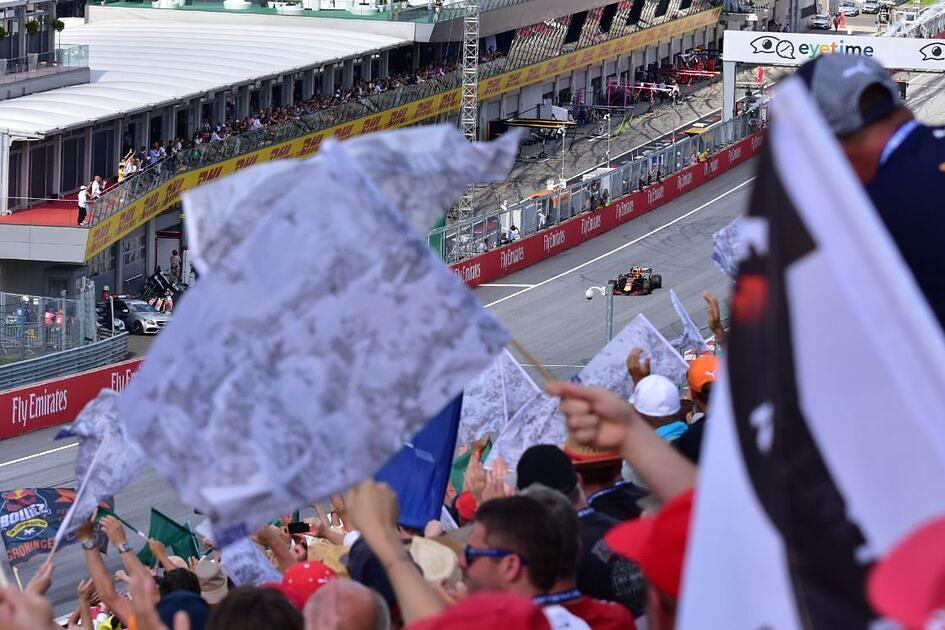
<point x="701" y="376"/>
<point x="658" y="544"/>
<point x="304" y="578"/>
<point x="908" y="584"/>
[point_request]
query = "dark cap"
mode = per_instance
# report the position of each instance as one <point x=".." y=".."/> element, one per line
<point x="196" y="608"/>
<point x="548" y="465"/>
<point x="838" y="82"/>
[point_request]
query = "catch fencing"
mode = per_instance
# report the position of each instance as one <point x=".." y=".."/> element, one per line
<point x="483" y="233"/>
<point x="33" y="325"/>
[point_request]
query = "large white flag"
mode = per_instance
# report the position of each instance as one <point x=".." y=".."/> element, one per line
<point x="309" y="351"/>
<point x="825" y="442"/>
<point x="419" y="170"/>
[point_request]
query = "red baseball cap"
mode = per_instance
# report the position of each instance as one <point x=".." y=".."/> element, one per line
<point x="488" y="610"/>
<point x="295" y="597"/>
<point x="307" y="577"/>
<point x="657" y="543"/>
<point x="466" y="505"/>
<point x="908" y="584"/>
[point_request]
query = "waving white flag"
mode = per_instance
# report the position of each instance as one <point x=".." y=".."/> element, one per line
<point x="308" y="352"/>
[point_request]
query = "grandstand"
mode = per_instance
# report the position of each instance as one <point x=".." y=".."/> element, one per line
<point x="313" y="70"/>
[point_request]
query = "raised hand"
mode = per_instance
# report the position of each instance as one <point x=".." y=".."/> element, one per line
<point x="637" y="369"/>
<point x="595" y="417"/>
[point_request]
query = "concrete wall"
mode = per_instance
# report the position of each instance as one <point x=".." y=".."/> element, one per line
<point x="21" y="276"/>
<point x="33" y="85"/>
<point x="43" y="243"/>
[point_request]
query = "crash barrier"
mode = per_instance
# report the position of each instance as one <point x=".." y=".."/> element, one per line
<point x="53" y="402"/>
<point x="58" y="364"/>
<point x="547" y="242"/>
<point x="35" y="325"/>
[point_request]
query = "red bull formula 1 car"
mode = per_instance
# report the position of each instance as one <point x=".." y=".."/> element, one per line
<point x="640" y="281"/>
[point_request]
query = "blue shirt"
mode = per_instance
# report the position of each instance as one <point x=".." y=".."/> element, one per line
<point x="909" y="194"/>
<point x="671" y="431"/>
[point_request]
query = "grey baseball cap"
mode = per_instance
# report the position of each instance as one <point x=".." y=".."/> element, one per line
<point x="838" y="82"/>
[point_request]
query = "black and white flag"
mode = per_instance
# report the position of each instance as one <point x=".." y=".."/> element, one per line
<point x="826" y="443"/>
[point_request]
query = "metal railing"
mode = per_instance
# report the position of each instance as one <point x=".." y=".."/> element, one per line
<point x="43" y="64"/>
<point x="51" y="366"/>
<point x="210" y="153"/>
<point x="484" y="232"/>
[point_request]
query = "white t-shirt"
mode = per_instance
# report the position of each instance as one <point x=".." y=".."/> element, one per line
<point x="83" y="199"/>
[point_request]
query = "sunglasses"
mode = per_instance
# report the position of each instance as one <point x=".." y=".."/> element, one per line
<point x="470" y="554"/>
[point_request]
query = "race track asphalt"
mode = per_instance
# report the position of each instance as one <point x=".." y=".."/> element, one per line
<point x="552" y="319"/>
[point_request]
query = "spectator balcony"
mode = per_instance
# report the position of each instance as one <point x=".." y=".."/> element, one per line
<point x="39" y="72"/>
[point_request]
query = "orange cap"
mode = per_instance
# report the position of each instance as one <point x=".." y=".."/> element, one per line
<point x="702" y="371"/>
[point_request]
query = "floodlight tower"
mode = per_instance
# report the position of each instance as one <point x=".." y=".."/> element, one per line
<point x="469" y="99"/>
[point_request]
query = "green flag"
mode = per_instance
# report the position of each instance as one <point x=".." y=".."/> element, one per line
<point x="461" y="463"/>
<point x="179" y="540"/>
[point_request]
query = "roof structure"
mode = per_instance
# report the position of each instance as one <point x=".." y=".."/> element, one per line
<point x="137" y="65"/>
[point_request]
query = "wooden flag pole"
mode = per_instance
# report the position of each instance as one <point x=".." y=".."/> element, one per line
<point x="16" y="574"/>
<point x="545" y="374"/>
<point x="52" y="552"/>
<point x="4" y="582"/>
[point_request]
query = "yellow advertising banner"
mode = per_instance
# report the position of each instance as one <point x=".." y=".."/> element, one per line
<point x="140" y="211"/>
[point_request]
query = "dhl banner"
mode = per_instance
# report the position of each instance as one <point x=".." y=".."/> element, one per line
<point x="140" y="211"/>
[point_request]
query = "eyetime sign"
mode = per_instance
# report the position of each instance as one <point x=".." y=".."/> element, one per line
<point x="794" y="49"/>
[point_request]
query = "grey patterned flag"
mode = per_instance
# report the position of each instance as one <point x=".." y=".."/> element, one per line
<point x="540" y="421"/>
<point x="310" y="350"/>
<point x="246" y="565"/>
<point x="107" y="460"/>
<point x="493" y="398"/>
<point x="691" y="338"/>
<point x="419" y="170"/>
<point x="608" y="368"/>
<point x="725" y="248"/>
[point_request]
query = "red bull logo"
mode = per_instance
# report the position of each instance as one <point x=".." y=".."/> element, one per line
<point x="24" y="513"/>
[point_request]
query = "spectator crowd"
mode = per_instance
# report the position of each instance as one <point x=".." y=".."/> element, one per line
<point x="207" y="132"/>
<point x="588" y="533"/>
<point x="562" y="541"/>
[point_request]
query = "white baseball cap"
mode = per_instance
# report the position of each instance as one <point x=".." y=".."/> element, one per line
<point x="656" y="396"/>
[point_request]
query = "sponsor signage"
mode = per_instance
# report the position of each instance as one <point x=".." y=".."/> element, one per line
<point x="140" y="211"/>
<point x="793" y="49"/>
<point x="54" y="402"/>
<point x="527" y="251"/>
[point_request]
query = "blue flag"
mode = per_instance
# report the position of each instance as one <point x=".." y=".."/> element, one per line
<point x="419" y="471"/>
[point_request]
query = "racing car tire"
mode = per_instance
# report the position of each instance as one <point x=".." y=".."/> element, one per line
<point x="656" y="281"/>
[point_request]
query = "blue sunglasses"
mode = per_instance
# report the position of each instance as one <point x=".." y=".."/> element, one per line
<point x="470" y="554"/>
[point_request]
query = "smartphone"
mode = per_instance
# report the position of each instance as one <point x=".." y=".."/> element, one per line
<point x="299" y="528"/>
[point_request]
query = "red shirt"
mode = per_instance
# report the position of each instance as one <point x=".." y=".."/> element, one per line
<point x="601" y="615"/>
